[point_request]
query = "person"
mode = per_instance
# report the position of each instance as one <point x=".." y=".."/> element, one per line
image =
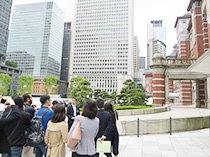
<point x="54" y="103"/>
<point x="104" y="118"/>
<point x="113" y="134"/>
<point x="2" y="106"/>
<point x="16" y="131"/>
<point x="89" y="125"/>
<point x="56" y="133"/>
<point x="46" y="113"/>
<point x="9" y="122"/>
<point x="27" y="150"/>
<point x="28" y="104"/>
<point x="72" y="112"/>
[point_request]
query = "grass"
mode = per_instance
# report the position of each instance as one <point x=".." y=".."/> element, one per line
<point x="132" y="107"/>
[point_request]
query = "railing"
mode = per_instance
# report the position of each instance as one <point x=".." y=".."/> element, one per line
<point x="173" y="125"/>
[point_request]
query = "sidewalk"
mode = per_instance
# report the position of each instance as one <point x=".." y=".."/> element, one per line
<point x="187" y="144"/>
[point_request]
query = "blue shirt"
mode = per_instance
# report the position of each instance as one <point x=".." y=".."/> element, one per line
<point x="47" y="116"/>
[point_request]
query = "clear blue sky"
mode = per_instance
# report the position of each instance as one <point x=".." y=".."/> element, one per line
<point x="144" y="11"/>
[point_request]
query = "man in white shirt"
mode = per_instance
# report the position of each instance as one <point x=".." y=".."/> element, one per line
<point x="72" y="112"/>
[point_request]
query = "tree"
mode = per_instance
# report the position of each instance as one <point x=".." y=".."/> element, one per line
<point x="113" y="97"/>
<point x="5" y="81"/>
<point x="25" y="84"/>
<point x="132" y="95"/>
<point x="101" y="94"/>
<point x="11" y="63"/>
<point x="51" y="84"/>
<point x="80" y="89"/>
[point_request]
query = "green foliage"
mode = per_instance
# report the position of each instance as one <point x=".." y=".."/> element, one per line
<point x="51" y="84"/>
<point x="101" y="94"/>
<point x="79" y="89"/>
<point x="5" y="81"/>
<point x="132" y="95"/>
<point x="131" y="107"/>
<point x="25" y="85"/>
<point x="11" y="63"/>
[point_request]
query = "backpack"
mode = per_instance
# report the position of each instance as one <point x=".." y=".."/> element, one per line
<point x="35" y="133"/>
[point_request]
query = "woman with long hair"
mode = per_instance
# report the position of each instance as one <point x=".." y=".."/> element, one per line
<point x="56" y="133"/>
<point x="89" y="125"/>
<point x="113" y="135"/>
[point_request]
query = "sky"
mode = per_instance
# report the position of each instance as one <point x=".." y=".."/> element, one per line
<point x="144" y="12"/>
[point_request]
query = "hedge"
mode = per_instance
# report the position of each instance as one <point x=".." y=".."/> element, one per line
<point x="131" y="107"/>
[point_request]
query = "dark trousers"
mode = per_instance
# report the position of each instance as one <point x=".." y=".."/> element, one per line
<point x="85" y="155"/>
<point x="41" y="150"/>
<point x="115" y="143"/>
<point x="15" y="152"/>
<point x="107" y="154"/>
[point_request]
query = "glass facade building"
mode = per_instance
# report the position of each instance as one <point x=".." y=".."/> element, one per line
<point x="156" y="40"/>
<point x="102" y="43"/>
<point x="66" y="52"/>
<point x="37" y="29"/>
<point x="5" y="11"/>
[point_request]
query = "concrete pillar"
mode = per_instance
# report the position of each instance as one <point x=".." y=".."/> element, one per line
<point x="208" y="92"/>
<point x="167" y="90"/>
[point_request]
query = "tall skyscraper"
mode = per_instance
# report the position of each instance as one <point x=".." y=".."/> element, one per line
<point x="156" y="40"/>
<point x="66" y="52"/>
<point x="141" y="62"/>
<point x="102" y="43"/>
<point x="5" y="10"/>
<point x="38" y="30"/>
<point x="135" y="54"/>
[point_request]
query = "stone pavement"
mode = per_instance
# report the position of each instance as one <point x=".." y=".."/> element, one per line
<point x="185" y="144"/>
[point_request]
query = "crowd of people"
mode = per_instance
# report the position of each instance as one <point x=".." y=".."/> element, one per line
<point x="26" y="131"/>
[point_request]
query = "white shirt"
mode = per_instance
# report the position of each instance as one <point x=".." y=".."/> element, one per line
<point x="75" y="109"/>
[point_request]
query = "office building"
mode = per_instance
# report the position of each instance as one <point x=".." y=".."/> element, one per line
<point x="141" y="62"/>
<point x="66" y="52"/>
<point x="135" y="54"/>
<point x="37" y="29"/>
<point x="5" y="11"/>
<point x="156" y="40"/>
<point x="24" y="60"/>
<point x="102" y="43"/>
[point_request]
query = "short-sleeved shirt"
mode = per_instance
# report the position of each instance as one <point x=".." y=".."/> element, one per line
<point x="47" y="116"/>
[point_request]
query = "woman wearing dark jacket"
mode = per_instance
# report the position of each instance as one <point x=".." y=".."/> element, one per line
<point x="113" y="134"/>
<point x="15" y="131"/>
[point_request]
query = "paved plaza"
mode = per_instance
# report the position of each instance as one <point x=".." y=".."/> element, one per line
<point x="185" y="144"/>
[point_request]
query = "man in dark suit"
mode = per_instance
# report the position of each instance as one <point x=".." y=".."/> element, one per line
<point x="104" y="123"/>
<point x="72" y="112"/>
